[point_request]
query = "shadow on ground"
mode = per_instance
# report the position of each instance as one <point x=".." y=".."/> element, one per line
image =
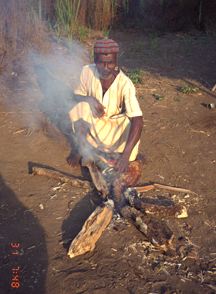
<point x="177" y="56"/>
<point x="72" y="225"/>
<point x="23" y="252"/>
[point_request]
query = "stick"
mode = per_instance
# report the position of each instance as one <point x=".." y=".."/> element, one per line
<point x="144" y="188"/>
<point x="40" y="171"/>
<point x="214" y="88"/>
<point x="160" y="186"/>
<point x="92" y="229"/>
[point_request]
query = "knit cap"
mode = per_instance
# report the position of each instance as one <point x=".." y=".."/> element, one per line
<point x="106" y="46"/>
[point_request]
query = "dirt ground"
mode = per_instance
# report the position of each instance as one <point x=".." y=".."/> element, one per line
<point x="42" y="216"/>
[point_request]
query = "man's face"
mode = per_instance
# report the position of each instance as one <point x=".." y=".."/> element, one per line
<point x="106" y="64"/>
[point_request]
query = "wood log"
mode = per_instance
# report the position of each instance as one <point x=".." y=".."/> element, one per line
<point x="158" y="206"/>
<point x="160" y="210"/>
<point x="155" y="230"/>
<point x="214" y="88"/>
<point x="73" y="181"/>
<point x="92" y="230"/>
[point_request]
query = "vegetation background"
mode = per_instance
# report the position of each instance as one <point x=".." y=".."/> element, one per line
<point x="25" y="22"/>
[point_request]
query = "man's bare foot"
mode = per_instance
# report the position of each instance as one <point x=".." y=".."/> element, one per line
<point x="73" y="159"/>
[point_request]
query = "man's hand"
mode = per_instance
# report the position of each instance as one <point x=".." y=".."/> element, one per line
<point x="122" y="163"/>
<point x="96" y="107"/>
<point x="73" y="158"/>
<point x="133" y="137"/>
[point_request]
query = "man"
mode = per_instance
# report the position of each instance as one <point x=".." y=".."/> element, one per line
<point x="107" y="117"/>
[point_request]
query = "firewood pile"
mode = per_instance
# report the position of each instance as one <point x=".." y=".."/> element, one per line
<point x="120" y="195"/>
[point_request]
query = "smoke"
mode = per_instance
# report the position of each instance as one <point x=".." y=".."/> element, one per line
<point x="56" y="76"/>
<point x="63" y="63"/>
<point x="44" y="71"/>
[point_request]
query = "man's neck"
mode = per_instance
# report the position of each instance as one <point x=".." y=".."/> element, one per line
<point x="106" y="83"/>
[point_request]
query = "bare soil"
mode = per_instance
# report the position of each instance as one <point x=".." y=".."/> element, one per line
<point x="179" y="142"/>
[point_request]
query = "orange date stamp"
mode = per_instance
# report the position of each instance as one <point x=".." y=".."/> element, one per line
<point x="15" y="271"/>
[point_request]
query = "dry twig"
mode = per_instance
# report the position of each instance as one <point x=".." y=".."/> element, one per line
<point x="160" y="186"/>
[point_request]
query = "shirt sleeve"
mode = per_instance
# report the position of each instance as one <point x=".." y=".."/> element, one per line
<point x="131" y="103"/>
<point x="81" y="89"/>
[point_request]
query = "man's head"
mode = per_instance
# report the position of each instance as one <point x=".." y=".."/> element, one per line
<point x="105" y="57"/>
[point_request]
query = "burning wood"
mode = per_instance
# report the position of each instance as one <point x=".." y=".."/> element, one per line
<point x="119" y="195"/>
<point x="162" y="207"/>
<point x="155" y="230"/>
<point x="136" y="210"/>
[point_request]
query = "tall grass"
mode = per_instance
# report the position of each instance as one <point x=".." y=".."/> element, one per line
<point x="96" y="14"/>
<point x="21" y="21"/>
<point x="67" y="12"/>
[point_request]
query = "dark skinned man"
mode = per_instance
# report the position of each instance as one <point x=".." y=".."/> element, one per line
<point x="107" y="115"/>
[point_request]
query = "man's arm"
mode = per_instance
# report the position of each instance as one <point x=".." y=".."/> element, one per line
<point x="96" y="107"/>
<point x="133" y="138"/>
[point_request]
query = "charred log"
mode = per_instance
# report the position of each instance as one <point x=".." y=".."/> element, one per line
<point x="154" y="229"/>
<point x="158" y="206"/>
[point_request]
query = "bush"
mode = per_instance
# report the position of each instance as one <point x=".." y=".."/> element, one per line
<point x="135" y="76"/>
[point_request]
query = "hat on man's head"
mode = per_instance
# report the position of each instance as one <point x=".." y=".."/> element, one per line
<point x="106" y="46"/>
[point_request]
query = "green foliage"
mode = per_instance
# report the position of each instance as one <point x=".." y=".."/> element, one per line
<point x="106" y="33"/>
<point x="135" y="76"/>
<point x="82" y="33"/>
<point x="188" y="90"/>
<point x="67" y="12"/>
